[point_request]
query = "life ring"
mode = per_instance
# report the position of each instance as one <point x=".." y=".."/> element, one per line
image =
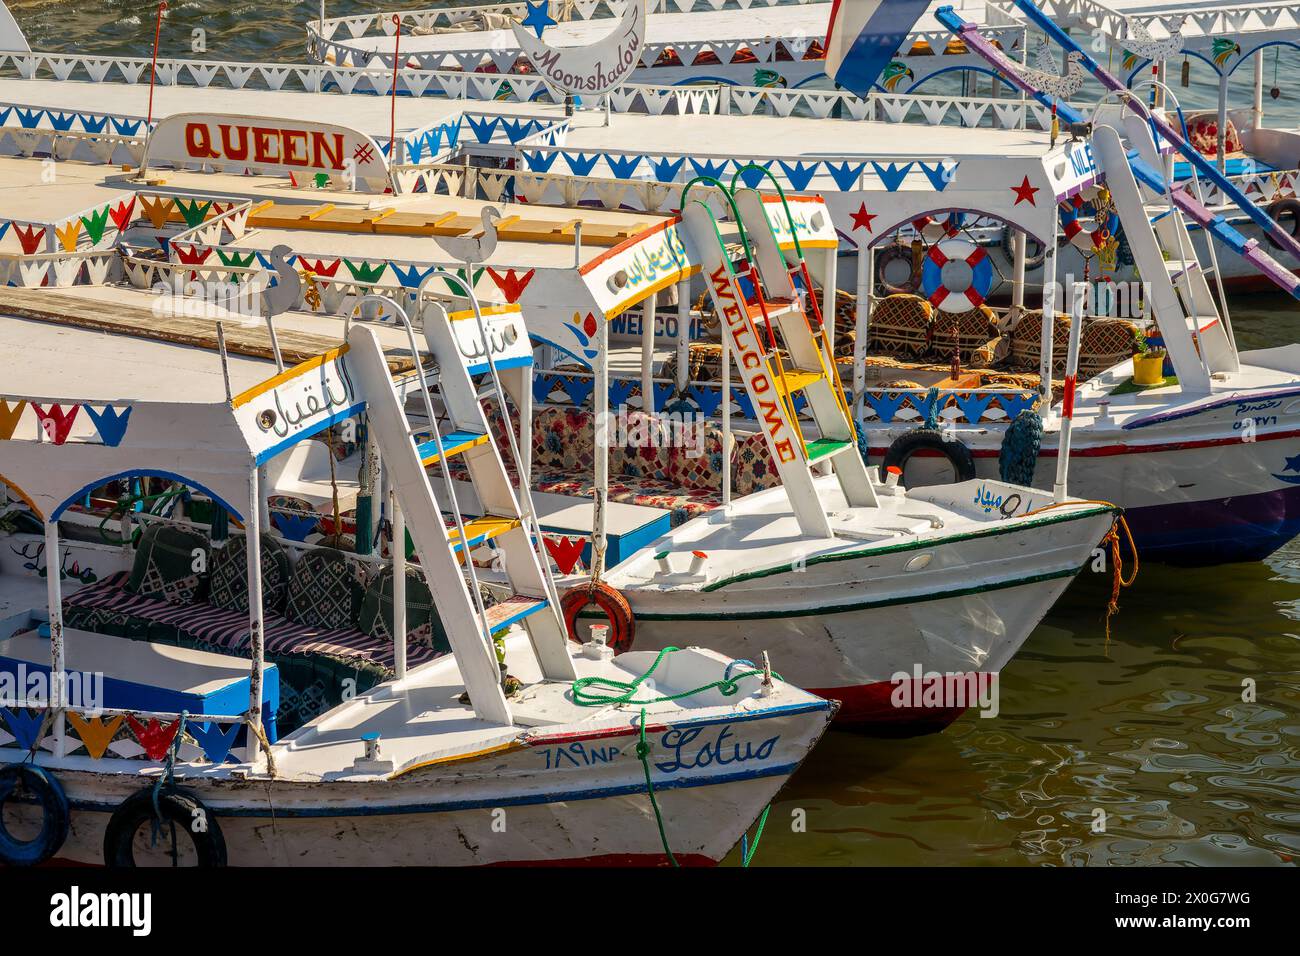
<point x="611" y="601"/>
<point x="1009" y="248"/>
<point x="947" y="226"/>
<point x="1277" y="210"/>
<point x="1075" y="211"/>
<point x="956" y="275"/>
<point x="55" y="815"/>
<point x="929" y="439"/>
<point x="889" y="255"/>
<point x="184" y="813"/>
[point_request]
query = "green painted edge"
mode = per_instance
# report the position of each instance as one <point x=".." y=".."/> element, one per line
<point x="821" y="447"/>
<point x="913" y="546"/>
<point x="844" y="608"/>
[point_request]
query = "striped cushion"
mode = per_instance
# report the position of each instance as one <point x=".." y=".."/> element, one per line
<point x="228" y="630"/>
<point x="900" y="325"/>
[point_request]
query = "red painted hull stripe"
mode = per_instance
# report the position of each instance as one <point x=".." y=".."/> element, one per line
<point x="1106" y="451"/>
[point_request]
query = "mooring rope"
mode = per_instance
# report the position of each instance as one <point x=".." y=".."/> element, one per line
<point x="626" y="690"/>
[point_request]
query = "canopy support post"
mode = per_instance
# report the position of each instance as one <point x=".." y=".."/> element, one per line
<point x="600" y="405"/>
<point x="1046" y="341"/>
<point x="399" y="588"/>
<point x="253" y="553"/>
<point x="1018" y="250"/>
<point x="648" y="316"/>
<point x="1077" y="295"/>
<point x="54" y="598"/>
<point x="683" y="332"/>
<point x="862" y="321"/>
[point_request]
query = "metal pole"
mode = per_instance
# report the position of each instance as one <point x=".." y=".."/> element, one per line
<point x="600" y="405"/>
<point x="399" y="586"/>
<point x="1076" y="294"/>
<point x="153" y="67"/>
<point x="648" y="352"/>
<point x="1223" y="118"/>
<point x="397" y="65"/>
<point x="1018" y="244"/>
<point x="683" y="332"/>
<point x="726" y="422"/>
<point x="1257" y="118"/>
<point x="253" y="549"/>
<point x="861" y="322"/>
<point x="54" y="598"/>
<point x="1046" y="343"/>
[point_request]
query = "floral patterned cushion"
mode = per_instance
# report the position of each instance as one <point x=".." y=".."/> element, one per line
<point x="1203" y="134"/>
<point x="563" y="440"/>
<point x="753" y="467"/>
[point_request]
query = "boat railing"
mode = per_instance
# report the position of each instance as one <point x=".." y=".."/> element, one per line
<point x="114" y="733"/>
<point x="566" y="10"/>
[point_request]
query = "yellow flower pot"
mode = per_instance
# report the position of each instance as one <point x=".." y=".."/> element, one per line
<point x="1148" y="369"/>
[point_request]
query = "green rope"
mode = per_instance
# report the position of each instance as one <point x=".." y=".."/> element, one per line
<point x="643" y="752"/>
<point x="625" y="691"/>
<point x="746" y="850"/>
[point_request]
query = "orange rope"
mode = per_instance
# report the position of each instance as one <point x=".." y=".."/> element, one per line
<point x="1118" y="580"/>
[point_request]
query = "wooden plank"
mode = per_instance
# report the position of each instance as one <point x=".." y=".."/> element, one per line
<point x="119" y="319"/>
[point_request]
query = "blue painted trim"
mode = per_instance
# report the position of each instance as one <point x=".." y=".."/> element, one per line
<point x="269" y="453"/>
<point x="1246" y="398"/>
<point x="144" y="473"/>
<point x="520" y="362"/>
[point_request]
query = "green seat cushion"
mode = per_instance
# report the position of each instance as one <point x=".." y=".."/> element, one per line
<point x="324" y="590"/>
<point x="422" y="623"/>
<point x="228" y="575"/>
<point x="165" y="565"/>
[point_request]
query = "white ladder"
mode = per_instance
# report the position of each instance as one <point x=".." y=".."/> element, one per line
<point x="445" y="553"/>
<point x="750" y="328"/>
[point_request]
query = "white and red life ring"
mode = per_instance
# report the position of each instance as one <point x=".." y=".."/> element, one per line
<point x="946" y="227"/>
<point x="956" y="275"/>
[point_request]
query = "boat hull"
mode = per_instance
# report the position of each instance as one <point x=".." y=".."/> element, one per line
<point x="857" y="631"/>
<point x="1193" y="490"/>
<point x="564" y="799"/>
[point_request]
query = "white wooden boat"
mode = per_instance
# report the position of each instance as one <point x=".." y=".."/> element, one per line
<point x="408" y="772"/>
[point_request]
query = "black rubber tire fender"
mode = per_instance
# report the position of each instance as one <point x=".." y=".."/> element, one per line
<point x="929" y="439"/>
<point x="54" y="808"/>
<point x="179" y="807"/>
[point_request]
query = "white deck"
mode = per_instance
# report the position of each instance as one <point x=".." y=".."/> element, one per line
<point x="164" y="666"/>
<point x="798" y="138"/>
<point x="27" y="195"/>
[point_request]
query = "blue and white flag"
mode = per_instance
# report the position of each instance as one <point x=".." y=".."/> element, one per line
<point x="863" y="36"/>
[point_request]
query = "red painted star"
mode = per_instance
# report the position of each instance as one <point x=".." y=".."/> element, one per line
<point x="1024" y="193"/>
<point x="862" y="218"/>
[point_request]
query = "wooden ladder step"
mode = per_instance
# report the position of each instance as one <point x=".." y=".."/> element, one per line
<point x="480" y="530"/>
<point x="795" y="380"/>
<point x="453" y="443"/>
<point x="512" y="610"/>
<point x="820" y="448"/>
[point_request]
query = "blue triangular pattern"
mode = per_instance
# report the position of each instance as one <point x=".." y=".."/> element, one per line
<point x="295" y="527"/>
<point x="1013" y="403"/>
<point x="973" y="405"/>
<point x="620" y="390"/>
<point x="23" y="726"/>
<point x="125" y="127"/>
<point x="885" y="406"/>
<point x="663" y="392"/>
<point x="892" y="174"/>
<point x="577" y="388"/>
<point x="29" y="118"/>
<point x="752" y="177"/>
<point x="940" y="175"/>
<point x="214" y="742"/>
<point x="483" y="128"/>
<point x="4" y="115"/>
<point x="845" y="174"/>
<point x="91" y="124"/>
<point x="709" y="168"/>
<point x="666" y="170"/>
<point x="799" y="175"/>
<point x="110" y="423"/>
<point x="580" y="163"/>
<point x="623" y="166"/>
<point x="741" y="398"/>
<point x="411" y="276"/>
<point x="539" y="162"/>
<point x="708" y="398"/>
<point x="62" y="121"/>
<point x="543" y="385"/>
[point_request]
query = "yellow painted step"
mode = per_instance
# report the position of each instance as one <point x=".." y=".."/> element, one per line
<point x="482" y="529"/>
<point x="795" y="379"/>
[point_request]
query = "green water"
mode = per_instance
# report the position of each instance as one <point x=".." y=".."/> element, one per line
<point x="1148" y="728"/>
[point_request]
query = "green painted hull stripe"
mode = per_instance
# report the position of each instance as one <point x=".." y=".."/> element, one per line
<point x="845" y="608"/>
<point x="910" y="546"/>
